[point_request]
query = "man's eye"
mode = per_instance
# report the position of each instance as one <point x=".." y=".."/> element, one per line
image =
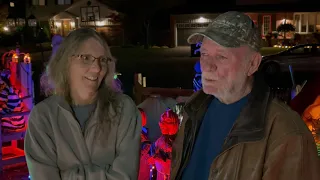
<point x="204" y="54"/>
<point x="220" y="57"/>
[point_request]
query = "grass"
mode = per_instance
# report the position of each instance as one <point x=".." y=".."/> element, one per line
<point x="271" y="50"/>
<point x="163" y="54"/>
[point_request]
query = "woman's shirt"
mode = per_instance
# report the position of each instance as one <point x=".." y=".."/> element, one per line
<point x="57" y="148"/>
<point x="83" y="113"/>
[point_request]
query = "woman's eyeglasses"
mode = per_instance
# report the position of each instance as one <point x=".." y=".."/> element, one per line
<point x="88" y="59"/>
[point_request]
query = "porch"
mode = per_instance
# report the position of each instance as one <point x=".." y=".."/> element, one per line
<point x="95" y="15"/>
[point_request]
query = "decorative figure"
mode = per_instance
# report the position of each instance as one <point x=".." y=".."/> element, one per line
<point x="169" y="126"/>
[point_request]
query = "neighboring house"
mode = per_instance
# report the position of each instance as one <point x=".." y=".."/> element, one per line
<point x="16" y="13"/>
<point x="43" y="10"/>
<point x="3" y="16"/>
<point x="184" y="25"/>
<point x="63" y="16"/>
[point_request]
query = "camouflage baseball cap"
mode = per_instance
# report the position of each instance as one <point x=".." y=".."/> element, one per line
<point x="231" y="29"/>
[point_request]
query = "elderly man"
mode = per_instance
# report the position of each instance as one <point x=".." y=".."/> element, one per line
<point x="233" y="129"/>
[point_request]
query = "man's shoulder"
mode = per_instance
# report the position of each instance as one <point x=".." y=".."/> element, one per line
<point x="283" y="120"/>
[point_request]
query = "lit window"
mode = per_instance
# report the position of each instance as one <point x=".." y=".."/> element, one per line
<point x="39" y="2"/>
<point x="305" y="22"/>
<point x="11" y="4"/>
<point x="266" y="25"/>
<point x="64" y="2"/>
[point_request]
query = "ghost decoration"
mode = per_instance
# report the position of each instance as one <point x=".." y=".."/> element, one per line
<point x="55" y="43"/>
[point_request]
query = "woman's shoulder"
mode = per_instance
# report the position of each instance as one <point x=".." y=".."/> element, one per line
<point x="126" y="101"/>
<point x="42" y="113"/>
<point x="45" y="106"/>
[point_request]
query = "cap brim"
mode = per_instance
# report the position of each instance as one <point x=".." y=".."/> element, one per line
<point x="219" y="38"/>
<point x="196" y="37"/>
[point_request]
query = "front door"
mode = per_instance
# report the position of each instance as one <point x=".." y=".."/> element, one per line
<point x="66" y="27"/>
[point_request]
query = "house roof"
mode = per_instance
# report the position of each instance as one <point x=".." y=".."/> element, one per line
<point x="64" y="15"/>
<point x="73" y="10"/>
<point x="293" y="7"/>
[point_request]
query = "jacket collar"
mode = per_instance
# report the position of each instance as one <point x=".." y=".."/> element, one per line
<point x="250" y="124"/>
<point x="68" y="112"/>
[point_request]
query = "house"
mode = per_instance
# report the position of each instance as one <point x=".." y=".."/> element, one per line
<point x="43" y="10"/>
<point x="306" y="23"/>
<point x="63" y="16"/>
<point x="15" y="15"/>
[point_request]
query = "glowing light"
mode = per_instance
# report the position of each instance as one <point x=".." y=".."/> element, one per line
<point x="284" y="21"/>
<point x="72" y="24"/>
<point x="15" y="58"/>
<point x="58" y="24"/>
<point x="202" y="20"/>
<point x="100" y="23"/>
<point x="5" y="28"/>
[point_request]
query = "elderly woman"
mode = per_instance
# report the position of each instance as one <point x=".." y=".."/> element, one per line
<point x="87" y="130"/>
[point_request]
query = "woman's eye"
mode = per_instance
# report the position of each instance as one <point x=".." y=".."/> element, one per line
<point x="85" y="57"/>
<point x="104" y="60"/>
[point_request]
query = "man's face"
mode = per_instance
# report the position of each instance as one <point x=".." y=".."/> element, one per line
<point x="224" y="70"/>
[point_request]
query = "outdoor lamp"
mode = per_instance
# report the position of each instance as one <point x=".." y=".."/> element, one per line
<point x="32" y="21"/>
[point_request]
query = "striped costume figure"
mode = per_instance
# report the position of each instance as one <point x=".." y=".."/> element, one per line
<point x="10" y="103"/>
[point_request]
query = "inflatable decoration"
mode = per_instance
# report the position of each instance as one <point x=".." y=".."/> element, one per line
<point x="311" y="117"/>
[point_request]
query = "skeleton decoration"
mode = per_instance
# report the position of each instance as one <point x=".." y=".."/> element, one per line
<point x="178" y="109"/>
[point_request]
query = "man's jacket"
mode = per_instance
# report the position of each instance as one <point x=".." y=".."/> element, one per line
<point x="268" y="141"/>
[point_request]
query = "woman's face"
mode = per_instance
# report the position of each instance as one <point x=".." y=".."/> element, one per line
<point x="88" y="68"/>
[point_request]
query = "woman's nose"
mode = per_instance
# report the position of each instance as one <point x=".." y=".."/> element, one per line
<point x="96" y="66"/>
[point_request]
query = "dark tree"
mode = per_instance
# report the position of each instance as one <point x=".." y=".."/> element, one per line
<point x="139" y="15"/>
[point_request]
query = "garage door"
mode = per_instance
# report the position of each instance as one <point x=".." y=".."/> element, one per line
<point x="183" y="34"/>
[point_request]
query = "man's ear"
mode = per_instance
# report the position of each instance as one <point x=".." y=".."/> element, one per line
<point x="255" y="61"/>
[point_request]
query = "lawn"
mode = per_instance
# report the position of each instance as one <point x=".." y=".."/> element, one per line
<point x="271" y="50"/>
<point x="163" y="67"/>
<point x="164" y="53"/>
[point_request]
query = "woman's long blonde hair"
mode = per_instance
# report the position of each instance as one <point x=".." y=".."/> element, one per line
<point x="55" y="80"/>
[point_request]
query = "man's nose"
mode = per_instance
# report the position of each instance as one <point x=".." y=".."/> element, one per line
<point x="207" y="65"/>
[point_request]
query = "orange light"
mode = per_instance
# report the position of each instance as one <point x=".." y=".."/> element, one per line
<point x="15" y="58"/>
